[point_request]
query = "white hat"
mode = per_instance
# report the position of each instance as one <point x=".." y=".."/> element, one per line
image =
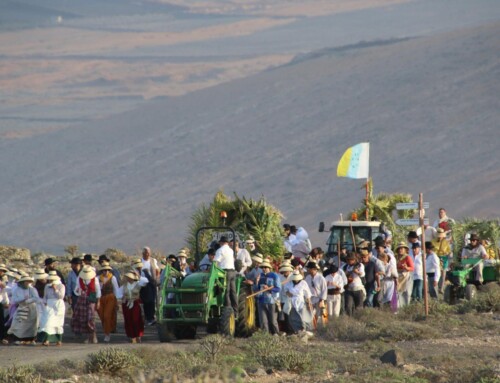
<point x="40" y="274"/>
<point x="105" y="266"/>
<point x="137" y="263"/>
<point x="87" y="273"/>
<point x="26" y="278"/>
<point x="250" y="239"/>
<point x="285" y="268"/>
<point x="257" y="257"/>
<point x="3" y="267"/>
<point x="132" y="276"/>
<point x="265" y="264"/>
<point x="296" y="276"/>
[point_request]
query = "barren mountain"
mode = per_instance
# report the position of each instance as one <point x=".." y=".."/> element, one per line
<point x="428" y="105"/>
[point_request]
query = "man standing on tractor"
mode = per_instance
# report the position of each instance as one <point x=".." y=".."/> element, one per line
<point x="444" y="222"/>
<point x="224" y="258"/>
<point x="475" y="250"/>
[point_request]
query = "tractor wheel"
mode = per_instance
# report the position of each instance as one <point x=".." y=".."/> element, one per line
<point x="227" y="322"/>
<point x="450" y="295"/>
<point x="165" y="332"/>
<point x="185" y="331"/>
<point x="470" y="292"/>
<point x="245" y="323"/>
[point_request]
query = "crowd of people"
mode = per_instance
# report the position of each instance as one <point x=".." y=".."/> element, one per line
<point x="294" y="295"/>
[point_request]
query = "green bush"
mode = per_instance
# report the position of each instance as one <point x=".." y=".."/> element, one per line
<point x="486" y="300"/>
<point x="111" y="360"/>
<point x="279" y="353"/>
<point x="19" y="374"/>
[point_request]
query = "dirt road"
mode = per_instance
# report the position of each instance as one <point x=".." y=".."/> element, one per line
<point x="73" y="348"/>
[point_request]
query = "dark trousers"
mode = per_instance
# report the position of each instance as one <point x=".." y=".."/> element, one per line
<point x="268" y="317"/>
<point x="231" y="297"/>
<point x="149" y="311"/>
<point x="353" y="299"/>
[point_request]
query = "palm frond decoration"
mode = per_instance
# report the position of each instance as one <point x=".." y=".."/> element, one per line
<point x="246" y="216"/>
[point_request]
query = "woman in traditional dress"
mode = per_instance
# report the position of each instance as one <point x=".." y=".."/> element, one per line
<point x="405" y="267"/>
<point x="52" y="321"/>
<point x="108" y="302"/>
<point x="25" y="320"/>
<point x="388" y="279"/>
<point x="301" y="312"/>
<point x="40" y="278"/>
<point x="131" y="305"/>
<point x="88" y="291"/>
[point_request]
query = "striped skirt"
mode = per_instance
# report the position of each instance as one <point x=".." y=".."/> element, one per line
<point x="83" y="317"/>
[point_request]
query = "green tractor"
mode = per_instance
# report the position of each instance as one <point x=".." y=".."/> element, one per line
<point x="461" y="279"/>
<point x="198" y="300"/>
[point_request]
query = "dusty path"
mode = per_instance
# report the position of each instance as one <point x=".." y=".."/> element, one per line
<point x="74" y="349"/>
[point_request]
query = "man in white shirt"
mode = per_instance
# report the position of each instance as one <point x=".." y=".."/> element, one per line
<point x="224" y="258"/>
<point x="432" y="268"/>
<point x="244" y="257"/>
<point x="475" y="250"/>
<point x="317" y="285"/>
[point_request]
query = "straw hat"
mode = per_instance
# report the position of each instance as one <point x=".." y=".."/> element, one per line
<point x="132" y="276"/>
<point x="441" y="233"/>
<point x="105" y="266"/>
<point x="296" y="276"/>
<point x="23" y="273"/>
<point x="250" y="239"/>
<point x="87" y="273"/>
<point x="286" y="262"/>
<point x="402" y="245"/>
<point x="3" y="267"/>
<point x="40" y="274"/>
<point x="12" y="275"/>
<point x="257" y="258"/>
<point x="285" y="268"/>
<point x="137" y="263"/>
<point x="265" y="264"/>
<point x="182" y="253"/>
<point x="54" y="279"/>
<point x="26" y="278"/>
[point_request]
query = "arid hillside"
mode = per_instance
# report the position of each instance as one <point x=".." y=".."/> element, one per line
<point x="428" y="105"/>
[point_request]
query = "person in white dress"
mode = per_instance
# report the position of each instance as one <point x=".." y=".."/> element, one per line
<point x="52" y="321"/>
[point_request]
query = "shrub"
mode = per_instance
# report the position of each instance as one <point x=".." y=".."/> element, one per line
<point x="278" y="353"/>
<point x="213" y="344"/>
<point x="111" y="360"/>
<point x="345" y="328"/>
<point x="19" y="374"/>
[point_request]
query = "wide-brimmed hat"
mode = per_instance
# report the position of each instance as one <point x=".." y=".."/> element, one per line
<point x="312" y="265"/>
<point x="265" y="264"/>
<point x="3" y="267"/>
<point x="76" y="261"/>
<point x="402" y="245"/>
<point x="26" y="278"/>
<point x="182" y="253"/>
<point x="88" y="258"/>
<point x="474" y="237"/>
<point x="22" y="273"/>
<point x="285" y="268"/>
<point x="250" y="239"/>
<point x="87" y="273"/>
<point x="137" y="263"/>
<point x="12" y="275"/>
<point x="40" y="274"/>
<point x="257" y="258"/>
<point x="103" y="257"/>
<point x="429" y="246"/>
<point x="412" y="234"/>
<point x="441" y="233"/>
<point x="132" y="275"/>
<point x="296" y="276"/>
<point x="105" y="266"/>
<point x="49" y="261"/>
<point x="54" y="279"/>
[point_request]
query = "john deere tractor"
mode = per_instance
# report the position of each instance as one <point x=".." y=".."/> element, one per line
<point x="198" y="299"/>
<point x="461" y="279"/>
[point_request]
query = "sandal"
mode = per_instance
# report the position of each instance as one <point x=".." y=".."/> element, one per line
<point x="46" y="343"/>
<point x="58" y="344"/>
<point x="5" y="341"/>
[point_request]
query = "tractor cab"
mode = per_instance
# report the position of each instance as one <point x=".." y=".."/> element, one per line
<point x="349" y="234"/>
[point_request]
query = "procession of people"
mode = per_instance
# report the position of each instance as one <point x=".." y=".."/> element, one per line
<point x="294" y="294"/>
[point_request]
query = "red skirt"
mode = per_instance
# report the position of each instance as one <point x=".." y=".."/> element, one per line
<point x="134" y="322"/>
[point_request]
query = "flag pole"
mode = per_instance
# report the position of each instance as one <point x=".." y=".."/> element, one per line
<point x="367" y="200"/>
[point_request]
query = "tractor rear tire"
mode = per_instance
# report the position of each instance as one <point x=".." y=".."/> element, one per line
<point x="185" y="331"/>
<point x="165" y="332"/>
<point x="245" y="323"/>
<point x="450" y="296"/>
<point x="227" y="322"/>
<point x="470" y="292"/>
